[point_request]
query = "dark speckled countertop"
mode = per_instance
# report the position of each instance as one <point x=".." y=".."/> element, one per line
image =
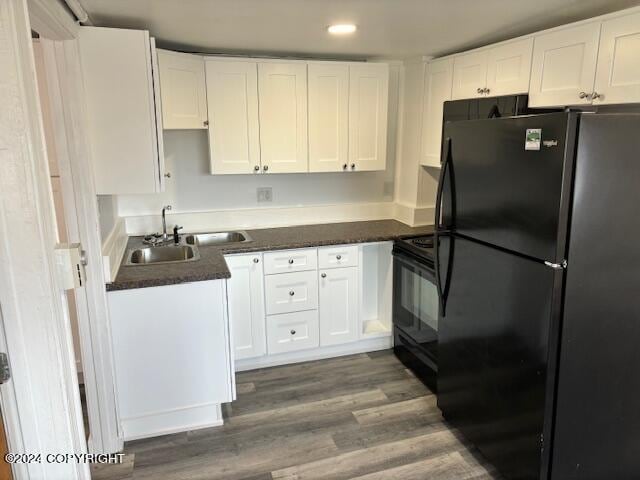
<point x="212" y="265"/>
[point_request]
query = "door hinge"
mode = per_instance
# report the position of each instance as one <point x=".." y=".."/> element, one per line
<point x="5" y="370"/>
<point x="71" y="260"/>
<point x="557" y="266"/>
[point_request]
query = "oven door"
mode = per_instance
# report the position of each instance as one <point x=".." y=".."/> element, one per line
<point x="415" y="302"/>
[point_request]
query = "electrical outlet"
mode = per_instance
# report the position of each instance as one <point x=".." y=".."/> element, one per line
<point x="265" y="194"/>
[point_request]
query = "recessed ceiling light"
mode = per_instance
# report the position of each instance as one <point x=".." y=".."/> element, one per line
<point x="342" y="29"/>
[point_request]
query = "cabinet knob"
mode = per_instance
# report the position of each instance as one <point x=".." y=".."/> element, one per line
<point x="583" y="95"/>
<point x="265" y="167"/>
<point x="206" y="123"/>
<point x="487" y="90"/>
<point x="344" y="167"/>
<point x="480" y="90"/>
<point x="167" y="175"/>
<point x="293" y="332"/>
<point x="256" y="168"/>
<point x="338" y="257"/>
<point x="291" y="261"/>
<point x="256" y="260"/>
<point x="323" y="275"/>
<point x="595" y="95"/>
<point x="291" y="293"/>
<point x="353" y="166"/>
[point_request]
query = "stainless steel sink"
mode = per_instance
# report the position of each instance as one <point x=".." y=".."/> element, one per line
<point x="216" y="238"/>
<point x="163" y="254"/>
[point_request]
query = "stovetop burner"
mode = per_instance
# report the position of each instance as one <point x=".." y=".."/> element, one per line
<point x="424" y="242"/>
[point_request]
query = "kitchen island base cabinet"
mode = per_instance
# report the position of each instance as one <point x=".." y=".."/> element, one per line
<point x="172" y="357"/>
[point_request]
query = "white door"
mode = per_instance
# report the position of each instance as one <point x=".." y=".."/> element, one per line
<point x="183" y="88"/>
<point x="368" y="103"/>
<point x="437" y="89"/>
<point x="618" y="71"/>
<point x="509" y="68"/>
<point x="245" y="295"/>
<point x="338" y="305"/>
<point x="232" y="100"/>
<point x="328" y="117"/>
<point x="564" y="66"/>
<point x="470" y="75"/>
<point x="283" y="117"/>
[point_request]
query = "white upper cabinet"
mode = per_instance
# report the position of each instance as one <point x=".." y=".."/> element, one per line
<point x="618" y="70"/>
<point x="184" y="96"/>
<point x="124" y="121"/>
<point x="564" y="65"/>
<point x="282" y="96"/>
<point x="470" y="75"/>
<point x="232" y="99"/>
<point x="245" y="295"/>
<point x="328" y="116"/>
<point x="368" y="103"/>
<point x="437" y="89"/>
<point x="509" y="68"/>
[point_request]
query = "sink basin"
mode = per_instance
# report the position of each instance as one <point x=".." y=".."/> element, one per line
<point x="217" y="238"/>
<point x="163" y="254"/>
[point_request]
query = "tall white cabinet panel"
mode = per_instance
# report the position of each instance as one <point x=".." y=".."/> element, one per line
<point x="338" y="305"/>
<point x="245" y="294"/>
<point x="437" y="89"/>
<point x="618" y="71"/>
<point x="283" y="116"/>
<point x="368" y="104"/>
<point x="184" y="96"/>
<point x="122" y="114"/>
<point x="509" y="68"/>
<point x="564" y="65"/>
<point x="234" y="133"/>
<point x="470" y="75"/>
<point x="328" y="116"/>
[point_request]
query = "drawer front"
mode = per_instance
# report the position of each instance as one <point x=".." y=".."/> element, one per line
<point x="291" y="292"/>
<point x="292" y="331"/>
<point x="338" y="256"/>
<point x="285" y="261"/>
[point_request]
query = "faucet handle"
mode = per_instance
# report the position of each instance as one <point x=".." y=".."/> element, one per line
<point x="176" y="235"/>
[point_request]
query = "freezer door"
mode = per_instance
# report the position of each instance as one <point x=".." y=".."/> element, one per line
<point x="597" y="432"/>
<point x="508" y="181"/>
<point x="493" y="352"/>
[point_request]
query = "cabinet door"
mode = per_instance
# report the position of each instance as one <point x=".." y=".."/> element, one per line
<point x="437" y="89"/>
<point x="283" y="117"/>
<point x="564" y="66"/>
<point x="338" y="305"/>
<point x="618" y="71"/>
<point x="121" y="111"/>
<point x="232" y="100"/>
<point x="368" y="103"/>
<point x="509" y="68"/>
<point x="184" y="97"/>
<point x="245" y="292"/>
<point x="470" y="75"/>
<point x="328" y="116"/>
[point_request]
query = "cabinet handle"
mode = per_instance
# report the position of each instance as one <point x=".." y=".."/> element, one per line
<point x="256" y="168"/>
<point x="582" y="95"/>
<point x="167" y="175"/>
<point x="480" y="90"/>
<point x="595" y="95"/>
<point x="256" y="260"/>
<point x="487" y="90"/>
<point x="206" y="123"/>
<point x="265" y="167"/>
<point x="323" y="275"/>
<point x="293" y="332"/>
<point x="353" y="166"/>
<point x="344" y="167"/>
<point x="338" y="257"/>
<point x="291" y="293"/>
<point x="291" y="261"/>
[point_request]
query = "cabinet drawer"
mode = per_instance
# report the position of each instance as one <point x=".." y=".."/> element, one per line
<point x="290" y="261"/>
<point x="338" y="256"/>
<point x="292" y="331"/>
<point x="291" y="292"/>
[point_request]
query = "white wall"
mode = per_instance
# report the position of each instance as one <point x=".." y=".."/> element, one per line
<point x="192" y="189"/>
<point x="108" y="214"/>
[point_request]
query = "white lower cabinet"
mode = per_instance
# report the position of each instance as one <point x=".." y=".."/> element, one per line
<point x="338" y="305"/>
<point x="289" y="332"/>
<point x="245" y="294"/>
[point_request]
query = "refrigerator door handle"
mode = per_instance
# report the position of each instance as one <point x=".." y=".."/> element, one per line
<point x="437" y="230"/>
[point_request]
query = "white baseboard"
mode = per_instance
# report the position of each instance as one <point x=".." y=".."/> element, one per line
<point x="367" y="345"/>
<point x="113" y="249"/>
<point x="177" y="420"/>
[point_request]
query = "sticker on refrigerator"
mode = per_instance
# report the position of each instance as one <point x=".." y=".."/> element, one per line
<point x="534" y="137"/>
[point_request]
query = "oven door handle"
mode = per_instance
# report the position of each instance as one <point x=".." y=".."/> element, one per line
<point x="437" y="230"/>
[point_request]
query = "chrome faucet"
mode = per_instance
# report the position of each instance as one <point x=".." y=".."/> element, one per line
<point x="165" y="237"/>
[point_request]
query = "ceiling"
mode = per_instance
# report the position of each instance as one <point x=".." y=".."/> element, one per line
<point x="386" y="28"/>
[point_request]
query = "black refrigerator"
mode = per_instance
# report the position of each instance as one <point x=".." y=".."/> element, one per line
<point x="538" y="273"/>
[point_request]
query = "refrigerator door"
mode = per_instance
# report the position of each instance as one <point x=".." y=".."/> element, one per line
<point x="597" y="432"/>
<point x="507" y="182"/>
<point x="494" y="351"/>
